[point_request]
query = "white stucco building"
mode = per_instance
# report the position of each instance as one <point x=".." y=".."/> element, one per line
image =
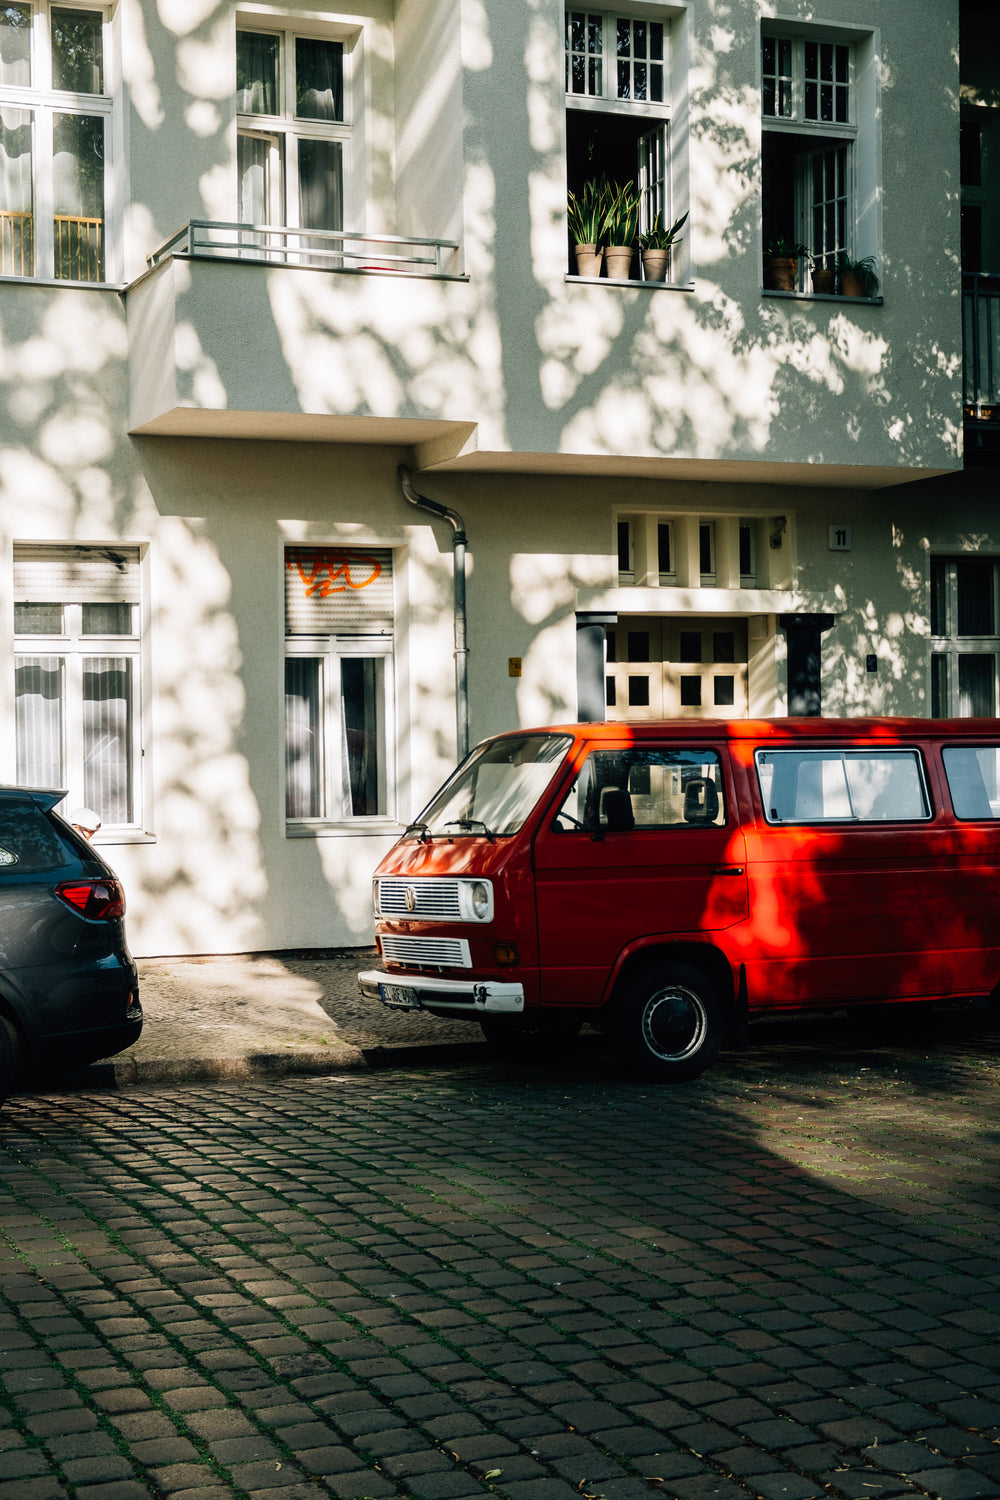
<point x="254" y="258"/>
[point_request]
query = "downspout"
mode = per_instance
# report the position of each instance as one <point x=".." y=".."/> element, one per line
<point x="458" y="542"/>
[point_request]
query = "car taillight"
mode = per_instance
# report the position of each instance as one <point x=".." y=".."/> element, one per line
<point x="98" y="900"/>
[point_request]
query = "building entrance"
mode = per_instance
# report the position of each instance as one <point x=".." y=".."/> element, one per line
<point x="684" y="667"/>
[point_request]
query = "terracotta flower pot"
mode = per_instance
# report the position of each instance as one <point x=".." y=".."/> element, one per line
<point x="588" y="260"/>
<point x="851" y="285"/>
<point x="618" y="262"/>
<point x="824" y="282"/>
<point x="654" y="264"/>
<point x="780" y="273"/>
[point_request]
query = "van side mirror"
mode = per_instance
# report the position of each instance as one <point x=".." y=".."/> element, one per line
<point x="616" y="810"/>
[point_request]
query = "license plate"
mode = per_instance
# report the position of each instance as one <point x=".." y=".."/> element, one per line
<point x="400" y="995"/>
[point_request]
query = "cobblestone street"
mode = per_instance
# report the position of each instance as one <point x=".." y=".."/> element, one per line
<point x="536" y="1282"/>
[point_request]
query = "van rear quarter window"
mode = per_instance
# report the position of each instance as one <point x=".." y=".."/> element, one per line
<point x="842" y="786"/>
<point x="973" y="773"/>
<point x="620" y="790"/>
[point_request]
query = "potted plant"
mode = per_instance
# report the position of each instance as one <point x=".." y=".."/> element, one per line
<point x="585" y="215"/>
<point x="857" y="278"/>
<point x="781" y="264"/>
<point x="655" y="245"/>
<point x="824" y="278"/>
<point x="621" y="226"/>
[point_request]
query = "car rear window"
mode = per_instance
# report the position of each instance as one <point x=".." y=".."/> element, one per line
<point x="973" y="773"/>
<point x="842" y="786"/>
<point x="28" y="841"/>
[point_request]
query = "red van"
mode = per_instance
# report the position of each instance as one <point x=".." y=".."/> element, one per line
<point x="670" y="880"/>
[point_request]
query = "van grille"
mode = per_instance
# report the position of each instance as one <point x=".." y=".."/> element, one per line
<point x="427" y="953"/>
<point x="436" y="898"/>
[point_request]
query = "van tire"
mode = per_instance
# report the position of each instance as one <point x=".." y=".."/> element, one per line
<point x="671" y="1022"/>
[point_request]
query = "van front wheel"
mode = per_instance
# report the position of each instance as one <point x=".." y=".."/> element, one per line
<point x="670" y="1023"/>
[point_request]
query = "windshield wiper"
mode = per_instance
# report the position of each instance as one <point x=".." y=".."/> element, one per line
<point x="422" y="828"/>
<point x="470" y="823"/>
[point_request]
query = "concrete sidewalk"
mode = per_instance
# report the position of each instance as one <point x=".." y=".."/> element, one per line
<point x="266" y="1015"/>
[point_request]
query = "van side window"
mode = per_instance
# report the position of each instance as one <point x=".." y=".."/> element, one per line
<point x="620" y="790"/>
<point x="842" y="786"/>
<point x="973" y="773"/>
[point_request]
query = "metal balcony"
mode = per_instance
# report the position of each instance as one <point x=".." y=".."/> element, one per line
<point x="322" y="249"/>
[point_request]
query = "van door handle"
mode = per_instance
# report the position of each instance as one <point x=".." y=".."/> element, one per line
<point x="727" y="870"/>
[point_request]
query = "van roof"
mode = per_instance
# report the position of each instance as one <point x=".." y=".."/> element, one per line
<point x="776" y="729"/>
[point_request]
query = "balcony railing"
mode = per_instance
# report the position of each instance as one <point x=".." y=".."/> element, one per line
<point x="77" y="246"/>
<point x="981" y="347"/>
<point x="327" y="249"/>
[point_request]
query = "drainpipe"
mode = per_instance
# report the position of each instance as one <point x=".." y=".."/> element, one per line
<point x="458" y="542"/>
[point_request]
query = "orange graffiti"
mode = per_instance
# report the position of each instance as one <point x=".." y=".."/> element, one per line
<point x="328" y="570"/>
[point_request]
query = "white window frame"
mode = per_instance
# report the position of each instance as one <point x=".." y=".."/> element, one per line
<point x="44" y="102"/>
<point x="330" y="651"/>
<point x="73" y="648"/>
<point x="653" y="169"/>
<point x="284" y="130"/>
<point x="949" y="648"/>
<point x="859" y="133"/>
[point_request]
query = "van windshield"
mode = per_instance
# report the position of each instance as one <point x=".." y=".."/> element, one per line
<point x="495" y="790"/>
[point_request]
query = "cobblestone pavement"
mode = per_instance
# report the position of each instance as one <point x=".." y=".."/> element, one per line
<point x="536" y="1283"/>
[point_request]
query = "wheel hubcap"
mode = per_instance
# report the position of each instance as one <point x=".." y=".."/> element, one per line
<point x="674" y="1023"/>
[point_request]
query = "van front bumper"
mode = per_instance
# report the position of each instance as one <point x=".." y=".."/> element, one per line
<point x="443" y="997"/>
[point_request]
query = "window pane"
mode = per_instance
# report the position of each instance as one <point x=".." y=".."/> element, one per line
<point x="624" y="546"/>
<point x="638" y="692"/>
<point x="725" y="692"/>
<point x="690" y="692"/>
<point x="663" y="548"/>
<point x="939" y="597"/>
<point x="976" y="693"/>
<point x="303" y="738"/>
<point x="831" y="785"/>
<point x="38" y="619"/>
<point x="107" y="737"/>
<point x="38" y="690"/>
<point x="690" y="647"/>
<point x="78" y="196"/>
<point x="256" y="73"/>
<point x="975" y="596"/>
<point x="363" y="732"/>
<point x="106" y="619"/>
<point x="638" y="645"/>
<point x="321" y="191"/>
<point x="78" y="51"/>
<point x="973" y="780"/>
<point x="253" y="166"/>
<point x="16" y="224"/>
<point x="15" y="45"/>
<point x="319" y="79"/>
<point x="940" y="704"/>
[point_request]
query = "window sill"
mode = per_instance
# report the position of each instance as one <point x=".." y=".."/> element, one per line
<point x="822" y="297"/>
<point x="646" y="286"/>
<point x="63" y="282"/>
<point x="110" y="837"/>
<point x="321" y="828"/>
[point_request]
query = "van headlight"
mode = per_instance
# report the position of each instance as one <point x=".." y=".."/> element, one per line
<point x="481" y="900"/>
<point x="476" y="900"/>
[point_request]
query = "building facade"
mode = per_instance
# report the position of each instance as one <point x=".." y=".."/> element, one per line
<point x="257" y="259"/>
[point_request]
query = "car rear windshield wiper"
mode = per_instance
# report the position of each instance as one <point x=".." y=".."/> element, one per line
<point x="470" y="823"/>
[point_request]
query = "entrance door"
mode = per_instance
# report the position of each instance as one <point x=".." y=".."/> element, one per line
<point x="685" y="667"/>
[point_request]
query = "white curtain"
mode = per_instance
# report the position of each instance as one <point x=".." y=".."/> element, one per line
<point x="252" y="158"/>
<point x="15" y="45"/>
<point x="15" y="160"/>
<point x="107" y="737"/>
<point x="38" y="689"/>
<point x="303" y="766"/>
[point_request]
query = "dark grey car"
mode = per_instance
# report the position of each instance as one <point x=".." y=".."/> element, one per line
<point x="69" y="991"/>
